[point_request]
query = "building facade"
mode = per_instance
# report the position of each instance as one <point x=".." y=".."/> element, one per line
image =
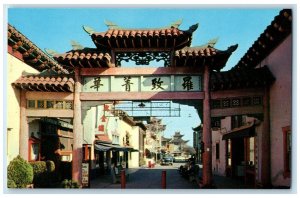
<point x="245" y="103"/>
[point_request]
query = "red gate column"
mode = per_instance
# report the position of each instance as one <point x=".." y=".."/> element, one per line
<point x="77" y="131"/>
<point x="265" y="147"/>
<point x="24" y="131"/>
<point x="207" y="158"/>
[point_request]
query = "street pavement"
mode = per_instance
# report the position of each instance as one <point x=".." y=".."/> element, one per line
<point x="147" y="178"/>
<point x="150" y="178"/>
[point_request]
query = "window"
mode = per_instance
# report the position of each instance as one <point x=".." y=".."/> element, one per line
<point x="217" y="151"/>
<point x="59" y="105"/>
<point x="247" y="101"/>
<point x="226" y="103"/>
<point x="238" y="121"/>
<point x="257" y="100"/>
<point x="31" y="103"/>
<point x="40" y="104"/>
<point x="50" y="104"/>
<point x="287" y="148"/>
<point x="216" y="104"/>
<point x="236" y="102"/>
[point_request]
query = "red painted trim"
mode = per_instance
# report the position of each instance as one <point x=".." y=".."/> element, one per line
<point x="142" y="96"/>
<point x="119" y="71"/>
<point x="237" y="93"/>
<point x="15" y="53"/>
<point x="287" y="171"/>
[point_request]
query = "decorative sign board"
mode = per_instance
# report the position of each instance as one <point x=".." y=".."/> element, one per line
<point x="85" y="174"/>
<point x="172" y="83"/>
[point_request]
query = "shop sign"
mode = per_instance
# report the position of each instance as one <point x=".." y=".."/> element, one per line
<point x="85" y="175"/>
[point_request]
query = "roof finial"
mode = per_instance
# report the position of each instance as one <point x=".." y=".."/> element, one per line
<point x="88" y="29"/>
<point x="232" y="48"/>
<point x="76" y="45"/>
<point x="176" y="24"/>
<point x="193" y="28"/>
<point x="111" y="25"/>
<point x="50" y="52"/>
<point x="212" y="42"/>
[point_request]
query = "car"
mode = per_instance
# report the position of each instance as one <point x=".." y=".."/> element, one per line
<point x="167" y="160"/>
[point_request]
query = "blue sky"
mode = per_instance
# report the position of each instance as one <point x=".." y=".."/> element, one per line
<point x="54" y="28"/>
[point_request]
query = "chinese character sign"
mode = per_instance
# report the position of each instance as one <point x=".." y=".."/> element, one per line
<point x="187" y="83"/>
<point x="148" y="83"/>
<point x="96" y="84"/>
<point x="157" y="84"/>
<point x="127" y="83"/>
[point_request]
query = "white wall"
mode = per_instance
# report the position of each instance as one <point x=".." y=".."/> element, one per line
<point x="15" y="68"/>
<point x="219" y="166"/>
<point x="134" y="162"/>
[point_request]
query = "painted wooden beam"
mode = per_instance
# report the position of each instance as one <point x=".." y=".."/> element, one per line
<point x="92" y="96"/>
<point x="139" y="71"/>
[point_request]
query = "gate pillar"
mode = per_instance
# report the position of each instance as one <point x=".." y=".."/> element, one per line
<point x="77" y="131"/>
<point x="207" y="136"/>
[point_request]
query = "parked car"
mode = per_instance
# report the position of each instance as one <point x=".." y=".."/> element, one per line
<point x="167" y="160"/>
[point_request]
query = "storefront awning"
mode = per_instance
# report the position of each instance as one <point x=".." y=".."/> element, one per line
<point x="241" y="132"/>
<point x="99" y="146"/>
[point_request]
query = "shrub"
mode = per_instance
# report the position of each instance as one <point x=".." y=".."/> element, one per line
<point x="11" y="184"/>
<point x="44" y="174"/>
<point x="69" y="184"/>
<point x="50" y="166"/>
<point x="20" y="172"/>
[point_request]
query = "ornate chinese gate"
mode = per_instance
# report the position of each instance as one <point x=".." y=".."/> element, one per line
<point x="184" y="77"/>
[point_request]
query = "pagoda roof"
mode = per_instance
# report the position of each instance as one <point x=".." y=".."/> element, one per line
<point x="177" y="134"/>
<point x="188" y="56"/>
<point x="165" y="38"/>
<point x="198" y="128"/>
<point x="30" y="53"/>
<point x="272" y="36"/>
<point x="45" y="83"/>
<point x="178" y="141"/>
<point x="165" y="139"/>
<point x="238" y="79"/>
<point x="87" y="57"/>
<point x="197" y="56"/>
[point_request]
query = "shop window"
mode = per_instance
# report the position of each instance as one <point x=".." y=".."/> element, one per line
<point x="287" y="151"/>
<point x="217" y="151"/>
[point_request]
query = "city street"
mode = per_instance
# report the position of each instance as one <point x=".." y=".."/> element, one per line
<point x="148" y="178"/>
